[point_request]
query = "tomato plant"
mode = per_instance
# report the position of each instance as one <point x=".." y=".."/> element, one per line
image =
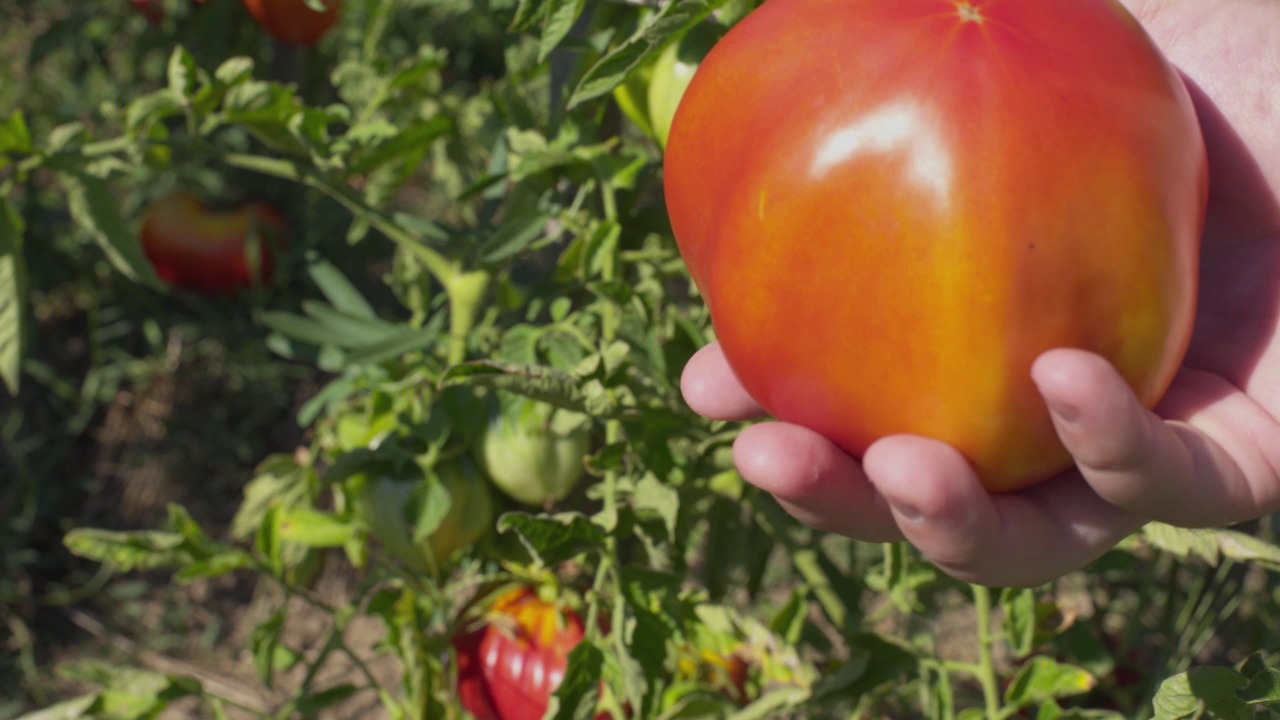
<point x="511" y="662"/>
<point x="672" y="73"/>
<point x="953" y="189"/>
<point x="210" y="251"/>
<point x="528" y="454"/>
<point x="390" y="506"/>
<point x="293" y="21"/>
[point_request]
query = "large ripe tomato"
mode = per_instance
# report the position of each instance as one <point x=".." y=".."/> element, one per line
<point x="389" y="507"/>
<point x="206" y="250"/>
<point x="292" y="21"/>
<point x="526" y="456"/>
<point x="892" y="208"/>
<point x="510" y="664"/>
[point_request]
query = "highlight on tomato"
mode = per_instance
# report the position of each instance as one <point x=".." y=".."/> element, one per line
<point x="890" y="226"/>
<point x="294" y="22"/>
<point x="514" y="657"/>
<point x="531" y="450"/>
<point x="211" y="251"/>
<point x="390" y="505"/>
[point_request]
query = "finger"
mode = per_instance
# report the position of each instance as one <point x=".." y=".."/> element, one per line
<point x="1202" y="468"/>
<point x="816" y="481"/>
<point x="1021" y="539"/>
<point x="712" y="390"/>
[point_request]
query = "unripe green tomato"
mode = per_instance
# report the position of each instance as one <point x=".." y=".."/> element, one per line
<point x="632" y="97"/>
<point x="389" y="506"/>
<point x="671" y="74"/>
<point x="526" y="456"/>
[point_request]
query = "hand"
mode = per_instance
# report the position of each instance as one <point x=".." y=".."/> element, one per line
<point x="1210" y="452"/>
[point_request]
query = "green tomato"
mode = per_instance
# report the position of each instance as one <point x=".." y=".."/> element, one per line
<point x="632" y="97"/>
<point x="673" y="71"/>
<point x="390" y="506"/>
<point x="528" y="455"/>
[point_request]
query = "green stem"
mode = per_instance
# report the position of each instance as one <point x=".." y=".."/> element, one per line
<point x="466" y="291"/>
<point x="986" y="665"/>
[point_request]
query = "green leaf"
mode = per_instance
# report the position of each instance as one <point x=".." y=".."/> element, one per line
<point x="1183" y="542"/>
<point x="14" y="135"/>
<point x="85" y="706"/>
<point x="556" y="24"/>
<point x="130" y="693"/>
<point x="1042" y="678"/>
<point x="1263" y="688"/>
<point x="151" y="108"/>
<point x="549" y="385"/>
<point x="280" y="480"/>
<point x="13" y="296"/>
<point x="406" y="139"/>
<point x="608" y="72"/>
<point x="515" y="235"/>
<point x="97" y="210"/>
<point x="140" y="550"/>
<point x="312" y="528"/>
<point x="654" y="495"/>
<point x="553" y="539"/>
<point x="339" y="291"/>
<point x="1203" y="692"/>
<point x="575" y="698"/>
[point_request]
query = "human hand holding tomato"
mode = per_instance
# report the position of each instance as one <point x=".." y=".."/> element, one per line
<point x="1208" y="454"/>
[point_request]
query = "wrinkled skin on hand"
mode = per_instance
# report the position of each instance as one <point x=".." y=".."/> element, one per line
<point x="1207" y="455"/>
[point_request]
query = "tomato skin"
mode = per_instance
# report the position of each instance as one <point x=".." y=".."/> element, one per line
<point x="388" y="506"/>
<point x="953" y="188"/>
<point x="292" y="22"/>
<point x="526" y="457"/>
<point x="509" y="665"/>
<point x="204" y="250"/>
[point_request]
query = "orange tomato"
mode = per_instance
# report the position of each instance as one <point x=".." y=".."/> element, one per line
<point x="892" y="208"/>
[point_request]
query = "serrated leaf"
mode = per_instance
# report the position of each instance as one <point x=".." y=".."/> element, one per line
<point x="553" y="539"/>
<point x="549" y="385"/>
<point x="139" y="550"/>
<point x="1183" y="542"/>
<point x="405" y="140"/>
<point x="654" y="495"/>
<point x="575" y="698"/>
<point x="279" y="481"/>
<point x="13" y="296"/>
<point x="1263" y="688"/>
<point x="1204" y="692"/>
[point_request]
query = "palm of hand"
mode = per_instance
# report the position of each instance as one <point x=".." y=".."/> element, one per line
<point x="1211" y="452"/>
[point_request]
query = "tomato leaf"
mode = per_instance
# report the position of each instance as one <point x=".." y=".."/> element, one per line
<point x="1202" y="692"/>
<point x="553" y="539"/>
<point x="575" y="698"/>
<point x="1042" y="678"/>
<point x="97" y="210"/>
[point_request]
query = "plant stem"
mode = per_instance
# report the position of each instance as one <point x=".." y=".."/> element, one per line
<point x="986" y="667"/>
<point x="466" y="292"/>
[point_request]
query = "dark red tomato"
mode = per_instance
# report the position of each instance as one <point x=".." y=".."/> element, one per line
<point x="292" y="21"/>
<point x="892" y="208"/>
<point x="509" y="665"/>
<point x="153" y="10"/>
<point x="206" y="250"/>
